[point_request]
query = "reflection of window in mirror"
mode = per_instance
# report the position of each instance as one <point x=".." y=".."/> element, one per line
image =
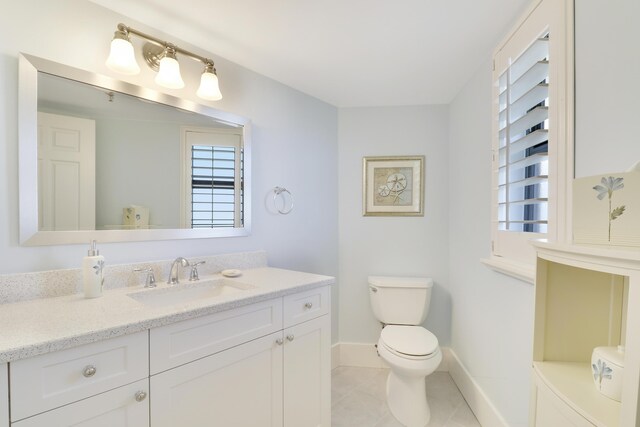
<point x="212" y="178"/>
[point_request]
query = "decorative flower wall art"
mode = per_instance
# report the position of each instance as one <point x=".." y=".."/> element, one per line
<point x="606" y="209"/>
<point x="607" y="187"/>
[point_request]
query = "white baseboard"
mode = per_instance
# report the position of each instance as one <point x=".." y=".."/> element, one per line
<point x="335" y="356"/>
<point x="477" y="400"/>
<point x="366" y="356"/>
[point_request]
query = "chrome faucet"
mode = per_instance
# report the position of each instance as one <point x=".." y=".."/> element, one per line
<point x="174" y="273"/>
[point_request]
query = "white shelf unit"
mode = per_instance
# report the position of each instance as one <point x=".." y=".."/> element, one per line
<point x="585" y="297"/>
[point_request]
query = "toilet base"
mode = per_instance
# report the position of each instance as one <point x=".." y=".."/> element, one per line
<point x="407" y="400"/>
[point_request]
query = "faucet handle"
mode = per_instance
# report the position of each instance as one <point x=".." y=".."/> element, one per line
<point x="150" y="281"/>
<point x="193" y="276"/>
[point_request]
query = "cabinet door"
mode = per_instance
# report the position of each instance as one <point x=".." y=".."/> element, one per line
<point x="239" y="387"/>
<point x="307" y="374"/>
<point x="4" y="395"/>
<point x="551" y="411"/>
<point x="127" y="406"/>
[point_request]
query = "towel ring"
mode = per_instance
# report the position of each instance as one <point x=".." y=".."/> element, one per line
<point x="277" y="191"/>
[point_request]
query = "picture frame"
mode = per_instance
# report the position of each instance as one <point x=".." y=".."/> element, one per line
<point x="393" y="186"/>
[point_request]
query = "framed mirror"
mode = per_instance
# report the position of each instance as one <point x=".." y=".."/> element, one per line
<point x="107" y="160"/>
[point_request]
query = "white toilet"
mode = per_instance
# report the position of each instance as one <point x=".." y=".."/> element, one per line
<point x="412" y="352"/>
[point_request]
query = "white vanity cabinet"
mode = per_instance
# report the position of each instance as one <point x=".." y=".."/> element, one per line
<point x="278" y="379"/>
<point x="265" y="363"/>
<point x="585" y="297"/>
<point x="4" y="395"/>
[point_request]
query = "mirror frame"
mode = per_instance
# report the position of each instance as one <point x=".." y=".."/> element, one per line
<point x="30" y="235"/>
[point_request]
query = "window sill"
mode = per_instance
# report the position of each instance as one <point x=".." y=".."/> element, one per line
<point x="517" y="270"/>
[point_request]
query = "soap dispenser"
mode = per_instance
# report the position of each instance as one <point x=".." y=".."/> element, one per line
<point x="92" y="275"/>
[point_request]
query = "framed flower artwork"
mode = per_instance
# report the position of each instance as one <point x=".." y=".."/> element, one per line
<point x="393" y="186"/>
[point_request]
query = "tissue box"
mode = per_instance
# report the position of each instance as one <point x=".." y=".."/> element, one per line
<point x="607" y="366"/>
<point x="606" y="209"/>
<point x="135" y="217"/>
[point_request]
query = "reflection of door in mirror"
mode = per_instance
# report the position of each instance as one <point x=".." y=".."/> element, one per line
<point x="212" y="178"/>
<point x="66" y="175"/>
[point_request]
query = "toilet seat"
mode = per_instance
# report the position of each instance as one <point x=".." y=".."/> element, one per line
<point x="410" y="342"/>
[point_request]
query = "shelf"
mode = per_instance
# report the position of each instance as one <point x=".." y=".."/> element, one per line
<point x="617" y="257"/>
<point x="573" y="383"/>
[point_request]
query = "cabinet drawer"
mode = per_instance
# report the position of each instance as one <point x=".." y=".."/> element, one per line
<point x="50" y="380"/>
<point x="306" y="305"/>
<point x="183" y="342"/>
<point x="127" y="406"/>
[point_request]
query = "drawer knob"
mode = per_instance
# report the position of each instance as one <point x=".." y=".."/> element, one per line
<point x="290" y="337"/>
<point x="279" y="341"/>
<point x="140" y="396"/>
<point x="89" y="371"/>
<point x="308" y="305"/>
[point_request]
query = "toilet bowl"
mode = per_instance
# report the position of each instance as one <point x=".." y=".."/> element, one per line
<point x="401" y="304"/>
<point x="412" y="353"/>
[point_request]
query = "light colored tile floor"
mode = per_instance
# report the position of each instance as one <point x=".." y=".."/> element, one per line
<point x="358" y="400"/>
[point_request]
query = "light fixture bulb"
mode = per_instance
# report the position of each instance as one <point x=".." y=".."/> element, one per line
<point x="169" y="72"/>
<point x="209" y="88"/>
<point x="122" y="58"/>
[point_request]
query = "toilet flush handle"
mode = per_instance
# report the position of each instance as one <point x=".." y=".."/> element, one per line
<point x="373" y="289"/>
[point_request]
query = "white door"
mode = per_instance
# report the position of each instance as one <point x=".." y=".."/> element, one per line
<point x="239" y="387"/>
<point x="127" y="406"/>
<point x="66" y="173"/>
<point x="307" y="374"/>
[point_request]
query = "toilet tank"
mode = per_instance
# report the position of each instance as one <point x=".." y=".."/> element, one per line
<point x="400" y="300"/>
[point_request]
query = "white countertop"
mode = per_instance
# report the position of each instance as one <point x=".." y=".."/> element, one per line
<point x="44" y="325"/>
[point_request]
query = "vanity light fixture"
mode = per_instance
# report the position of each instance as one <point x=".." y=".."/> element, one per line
<point x="161" y="57"/>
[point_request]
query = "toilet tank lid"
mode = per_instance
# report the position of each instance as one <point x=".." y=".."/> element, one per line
<point x="400" y="282"/>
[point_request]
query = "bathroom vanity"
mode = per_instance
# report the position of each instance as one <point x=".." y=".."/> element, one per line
<point x="585" y="297"/>
<point x="255" y="357"/>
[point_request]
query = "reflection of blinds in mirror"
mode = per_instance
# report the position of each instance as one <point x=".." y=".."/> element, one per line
<point x="523" y="160"/>
<point x="212" y="186"/>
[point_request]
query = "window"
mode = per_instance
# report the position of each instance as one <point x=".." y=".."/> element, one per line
<point x="531" y="150"/>
<point x="212" y="177"/>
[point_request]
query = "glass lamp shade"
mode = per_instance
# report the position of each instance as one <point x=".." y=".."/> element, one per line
<point x="122" y="58"/>
<point x="169" y="74"/>
<point x="209" y="88"/>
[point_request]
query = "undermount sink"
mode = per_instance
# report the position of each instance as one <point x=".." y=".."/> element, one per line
<point x="186" y="292"/>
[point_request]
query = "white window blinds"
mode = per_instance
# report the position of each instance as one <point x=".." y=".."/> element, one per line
<point x="213" y="181"/>
<point x="523" y="141"/>
<point x="213" y="187"/>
